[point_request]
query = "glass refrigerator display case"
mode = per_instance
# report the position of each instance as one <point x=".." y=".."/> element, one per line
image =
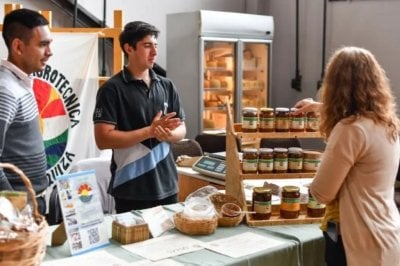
<point x="212" y="61"/>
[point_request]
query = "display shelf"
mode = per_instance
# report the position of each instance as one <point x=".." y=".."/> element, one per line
<point x="275" y="218"/>
<point x="277" y="175"/>
<point x="283" y="135"/>
<point x="235" y="176"/>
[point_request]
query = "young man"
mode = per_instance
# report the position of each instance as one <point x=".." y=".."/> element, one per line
<point x="27" y="37"/>
<point x="138" y="114"/>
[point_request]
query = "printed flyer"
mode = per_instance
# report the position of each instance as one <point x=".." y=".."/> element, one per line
<point x="82" y="212"/>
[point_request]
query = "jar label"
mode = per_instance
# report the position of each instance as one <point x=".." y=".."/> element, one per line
<point x="311" y="164"/>
<point x="267" y="123"/>
<point x="250" y="165"/>
<point x="312" y="123"/>
<point x="280" y="164"/>
<point x="262" y="207"/>
<point x="297" y="123"/>
<point x="290" y="205"/>
<point x="295" y="163"/>
<point x="282" y="123"/>
<point x="266" y="165"/>
<point x="249" y="122"/>
<point x="314" y="204"/>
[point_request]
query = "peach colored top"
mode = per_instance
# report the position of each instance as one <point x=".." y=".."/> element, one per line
<point x="358" y="168"/>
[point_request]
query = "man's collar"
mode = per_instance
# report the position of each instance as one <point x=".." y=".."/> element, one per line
<point x="127" y="76"/>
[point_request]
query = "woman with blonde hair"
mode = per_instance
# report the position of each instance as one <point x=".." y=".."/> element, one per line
<point x="358" y="169"/>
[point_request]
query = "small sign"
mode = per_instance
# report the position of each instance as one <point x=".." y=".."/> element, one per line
<point x="82" y="212"/>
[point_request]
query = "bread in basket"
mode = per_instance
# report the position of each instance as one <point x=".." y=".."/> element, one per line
<point x="27" y="248"/>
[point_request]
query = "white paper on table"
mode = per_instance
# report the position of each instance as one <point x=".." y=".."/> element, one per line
<point x="242" y="244"/>
<point x="164" y="247"/>
<point x="166" y="262"/>
<point x="92" y="258"/>
<point x="158" y="220"/>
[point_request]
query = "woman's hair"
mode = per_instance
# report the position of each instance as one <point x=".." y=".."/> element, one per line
<point x="356" y="85"/>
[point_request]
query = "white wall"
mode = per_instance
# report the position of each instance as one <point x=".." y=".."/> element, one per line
<point x="370" y="24"/>
<point x="155" y="11"/>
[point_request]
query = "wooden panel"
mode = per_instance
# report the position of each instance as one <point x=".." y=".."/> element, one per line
<point x="277" y="220"/>
<point x="188" y="184"/>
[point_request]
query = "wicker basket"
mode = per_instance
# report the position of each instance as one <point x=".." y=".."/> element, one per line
<point x="195" y="226"/>
<point x="28" y="248"/>
<point x="220" y="199"/>
<point x="129" y="234"/>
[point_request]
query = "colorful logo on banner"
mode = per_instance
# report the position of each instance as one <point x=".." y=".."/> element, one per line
<point x="59" y="111"/>
<point x="85" y="192"/>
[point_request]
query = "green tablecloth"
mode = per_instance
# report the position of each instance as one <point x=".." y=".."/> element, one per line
<point x="303" y="245"/>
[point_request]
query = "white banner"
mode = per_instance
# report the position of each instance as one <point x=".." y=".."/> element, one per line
<point x="66" y="92"/>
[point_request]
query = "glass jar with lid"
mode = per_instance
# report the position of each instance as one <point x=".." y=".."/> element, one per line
<point x="314" y="208"/>
<point x="249" y="119"/>
<point x="312" y="122"/>
<point x="297" y="121"/>
<point x="282" y="119"/>
<point x="311" y="160"/>
<point x="280" y="160"/>
<point x="290" y="202"/>
<point x="250" y="161"/>
<point x="261" y="203"/>
<point x="295" y="159"/>
<point x="265" y="161"/>
<point x="267" y="119"/>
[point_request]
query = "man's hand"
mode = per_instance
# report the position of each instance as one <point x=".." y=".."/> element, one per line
<point x="162" y="126"/>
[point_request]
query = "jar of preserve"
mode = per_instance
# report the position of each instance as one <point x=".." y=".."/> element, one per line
<point x="265" y="160"/>
<point x="267" y="119"/>
<point x="297" y="122"/>
<point x="250" y="161"/>
<point x="280" y="160"/>
<point x="290" y="202"/>
<point x="314" y="208"/>
<point x="295" y="160"/>
<point x="249" y="119"/>
<point x="261" y="203"/>
<point x="311" y="160"/>
<point x="312" y="122"/>
<point x="282" y="122"/>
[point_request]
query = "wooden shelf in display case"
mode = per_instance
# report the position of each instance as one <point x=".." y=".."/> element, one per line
<point x="235" y="176"/>
<point x="275" y="218"/>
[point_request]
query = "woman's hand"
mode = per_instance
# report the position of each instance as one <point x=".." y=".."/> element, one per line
<point x="307" y="105"/>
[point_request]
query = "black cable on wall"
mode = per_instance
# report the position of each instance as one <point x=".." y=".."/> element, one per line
<point x="296" y="82"/>
<point x="319" y="83"/>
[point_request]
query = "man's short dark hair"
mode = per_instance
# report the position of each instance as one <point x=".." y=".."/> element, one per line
<point x="20" y="23"/>
<point x="135" y="31"/>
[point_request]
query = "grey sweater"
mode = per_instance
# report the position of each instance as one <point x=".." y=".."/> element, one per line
<point x="21" y="141"/>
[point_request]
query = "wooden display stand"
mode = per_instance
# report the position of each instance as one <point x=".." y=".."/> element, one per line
<point x="234" y="175"/>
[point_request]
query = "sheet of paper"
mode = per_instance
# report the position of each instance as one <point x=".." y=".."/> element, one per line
<point x="164" y="247"/>
<point x="93" y="258"/>
<point x="242" y="244"/>
<point x="166" y="262"/>
<point x="158" y="220"/>
<point x="82" y="212"/>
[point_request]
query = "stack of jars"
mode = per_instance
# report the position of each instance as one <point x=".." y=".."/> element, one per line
<point x="280" y="160"/>
<point x="280" y="119"/>
<point x="290" y="206"/>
